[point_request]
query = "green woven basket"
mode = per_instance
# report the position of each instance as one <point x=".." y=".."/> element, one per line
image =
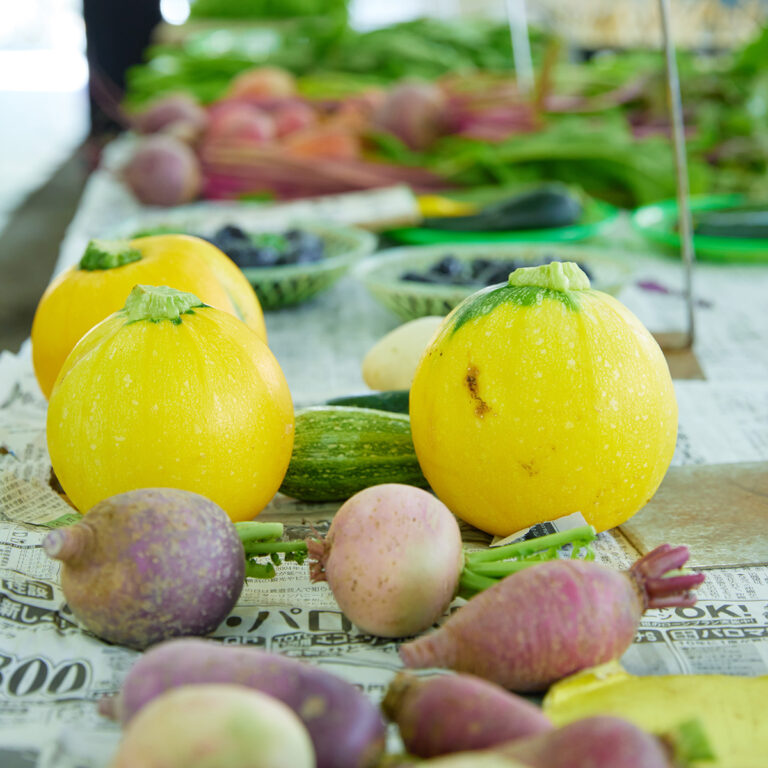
<point x="279" y="286"/>
<point x="289" y="285"/>
<point x="381" y="274"/>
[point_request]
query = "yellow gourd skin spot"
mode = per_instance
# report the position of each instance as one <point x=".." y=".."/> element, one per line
<point x="78" y="298"/>
<point x="200" y="405"/>
<point x="538" y="409"/>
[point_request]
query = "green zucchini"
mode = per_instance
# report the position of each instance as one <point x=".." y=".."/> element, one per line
<point x="394" y="400"/>
<point x="339" y="450"/>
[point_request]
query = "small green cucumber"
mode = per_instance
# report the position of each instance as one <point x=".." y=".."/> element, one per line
<point x="339" y="450"/>
<point x="394" y="400"/>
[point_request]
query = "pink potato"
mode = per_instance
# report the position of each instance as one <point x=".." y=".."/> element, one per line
<point x="392" y="558"/>
<point x="456" y="713"/>
<point x="346" y="728"/>
<point x="205" y="726"/>
<point x="553" y="619"/>
<point x="150" y="564"/>
<point x="163" y="170"/>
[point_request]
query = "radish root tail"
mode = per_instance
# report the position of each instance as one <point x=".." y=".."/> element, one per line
<point x="658" y="590"/>
<point x="318" y="552"/>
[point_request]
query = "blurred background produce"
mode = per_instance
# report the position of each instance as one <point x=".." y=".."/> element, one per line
<point x="326" y="117"/>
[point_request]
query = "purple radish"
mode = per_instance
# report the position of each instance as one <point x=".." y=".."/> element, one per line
<point x="150" y="564"/>
<point x="346" y="729"/>
<point x="553" y="619"/>
<point x="456" y="713"/>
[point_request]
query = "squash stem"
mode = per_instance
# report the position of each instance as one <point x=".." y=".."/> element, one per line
<point x="579" y="537"/>
<point x="108" y="254"/>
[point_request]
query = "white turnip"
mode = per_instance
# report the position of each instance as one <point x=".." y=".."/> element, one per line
<point x="150" y="564"/>
<point x="207" y="726"/>
<point x="554" y="619"/>
<point x="392" y="557"/>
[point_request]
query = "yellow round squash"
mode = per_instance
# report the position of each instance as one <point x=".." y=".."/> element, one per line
<point x="169" y="392"/>
<point x="540" y="398"/>
<point x="85" y="294"/>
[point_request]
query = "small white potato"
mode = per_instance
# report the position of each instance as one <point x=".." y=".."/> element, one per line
<point x="391" y="363"/>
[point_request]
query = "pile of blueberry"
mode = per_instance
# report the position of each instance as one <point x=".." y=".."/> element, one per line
<point x="478" y="272"/>
<point x="295" y="246"/>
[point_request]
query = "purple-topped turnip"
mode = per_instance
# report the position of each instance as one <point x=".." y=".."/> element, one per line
<point x="150" y="564"/>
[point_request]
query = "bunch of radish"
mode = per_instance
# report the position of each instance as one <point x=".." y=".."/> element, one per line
<point x="394" y="560"/>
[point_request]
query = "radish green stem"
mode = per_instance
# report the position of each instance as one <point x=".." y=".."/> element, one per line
<point x="256" y="548"/>
<point x="252" y="531"/>
<point x="470" y="583"/>
<point x="497" y="571"/>
<point x="579" y="537"/>
<point x="256" y="570"/>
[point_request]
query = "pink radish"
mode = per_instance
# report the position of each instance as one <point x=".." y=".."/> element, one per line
<point x="393" y="559"/>
<point x="163" y="170"/>
<point x="234" y="120"/>
<point x="414" y="112"/>
<point x="293" y="116"/>
<point x="454" y="713"/>
<point x="597" y="742"/>
<point x="400" y="575"/>
<point x="346" y="729"/>
<point x="203" y="726"/>
<point x="553" y="619"/>
<point x="169" y="113"/>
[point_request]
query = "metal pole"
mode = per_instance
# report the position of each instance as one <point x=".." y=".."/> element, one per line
<point x="681" y="168"/>
<point x="521" y="45"/>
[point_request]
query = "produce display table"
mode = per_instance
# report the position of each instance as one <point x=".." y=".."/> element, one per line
<point x="52" y="672"/>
